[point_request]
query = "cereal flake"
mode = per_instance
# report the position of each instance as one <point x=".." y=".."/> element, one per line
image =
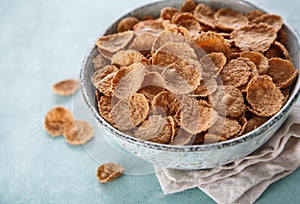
<point x="56" y="119"/>
<point x="108" y="172"/>
<point x="66" y="87"/>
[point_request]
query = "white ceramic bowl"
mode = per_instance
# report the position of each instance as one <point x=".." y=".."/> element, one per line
<point x="196" y="156"/>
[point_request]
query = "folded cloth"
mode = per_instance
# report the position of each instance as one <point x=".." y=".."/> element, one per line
<point x="246" y="179"/>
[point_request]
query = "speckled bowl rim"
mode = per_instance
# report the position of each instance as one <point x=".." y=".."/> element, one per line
<point x="192" y="148"/>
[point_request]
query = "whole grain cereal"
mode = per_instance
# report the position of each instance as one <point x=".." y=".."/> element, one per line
<point x="243" y="122"/>
<point x="255" y="37"/>
<point x="150" y="92"/>
<point x="263" y="96"/>
<point x="130" y="112"/>
<point x="228" y="20"/>
<point x="286" y="94"/>
<point x="153" y="79"/>
<point x="138" y="108"/>
<point x="100" y="62"/>
<point x="258" y="59"/>
<point x="205" y="15"/>
<point x="175" y="51"/>
<point x="210" y="138"/>
<point x="156" y="128"/>
<point x="167" y="103"/>
<point x="100" y="74"/>
<point x="253" y="70"/>
<point x="192" y="26"/>
<point x="188" y="6"/>
<point x="121" y="116"/>
<point x="201" y="90"/>
<point x="105" y="105"/>
<point x="213" y="42"/>
<point x="149" y="25"/>
<point x="225" y="127"/>
<point x="128" y="80"/>
<point x="108" y="172"/>
<point x="236" y="73"/>
<point x="166" y="37"/>
<point x="228" y="101"/>
<point x="204" y="102"/>
<point x="278" y="50"/>
<point x="179" y="17"/>
<point x="105" y="84"/>
<point x="271" y="19"/>
<point x="282" y="72"/>
<point x="207" y="86"/>
<point x="154" y="68"/>
<point x="193" y="76"/>
<point x="167" y="13"/>
<point x="181" y="78"/>
<point x="127" y="57"/>
<point x="56" y="120"/>
<point x="127" y="24"/>
<point x="254" y="14"/>
<point x="195" y="117"/>
<point x="183" y="138"/>
<point x="169" y="27"/>
<point x="66" y="87"/>
<point x="254" y="123"/>
<point x="78" y="132"/>
<point x="213" y="63"/>
<point x="162" y="59"/>
<point x="235" y="52"/>
<point x="111" y="44"/>
<point x="143" y="42"/>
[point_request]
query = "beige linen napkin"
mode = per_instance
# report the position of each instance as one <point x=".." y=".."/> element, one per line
<point x="246" y="179"/>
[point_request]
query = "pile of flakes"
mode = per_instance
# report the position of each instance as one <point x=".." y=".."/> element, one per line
<point x="60" y="121"/>
<point x="194" y="75"/>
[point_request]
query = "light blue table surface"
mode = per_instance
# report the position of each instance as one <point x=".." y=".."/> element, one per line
<point x="42" y="42"/>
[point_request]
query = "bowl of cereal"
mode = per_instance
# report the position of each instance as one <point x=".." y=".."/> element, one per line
<point x="195" y="84"/>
